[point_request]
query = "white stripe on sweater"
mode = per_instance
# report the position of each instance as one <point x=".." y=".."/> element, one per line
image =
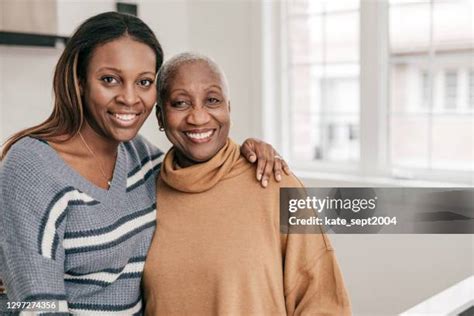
<point x="108" y="277"/>
<point x="56" y="211"/>
<point x="140" y="174"/>
<point x="117" y="233"/>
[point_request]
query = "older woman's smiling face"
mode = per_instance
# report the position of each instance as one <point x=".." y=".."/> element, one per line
<point x="196" y="112"/>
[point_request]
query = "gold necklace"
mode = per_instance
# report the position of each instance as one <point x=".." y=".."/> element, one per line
<point x="98" y="160"/>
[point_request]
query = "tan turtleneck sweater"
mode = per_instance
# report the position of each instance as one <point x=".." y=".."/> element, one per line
<point x="218" y="250"/>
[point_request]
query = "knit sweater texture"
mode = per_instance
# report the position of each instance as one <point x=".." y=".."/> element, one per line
<point x="218" y="248"/>
<point x="64" y="239"/>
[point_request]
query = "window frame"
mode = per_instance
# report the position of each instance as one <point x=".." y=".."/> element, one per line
<point x="374" y="161"/>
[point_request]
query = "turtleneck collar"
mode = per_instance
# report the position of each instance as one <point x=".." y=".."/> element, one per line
<point x="203" y="176"/>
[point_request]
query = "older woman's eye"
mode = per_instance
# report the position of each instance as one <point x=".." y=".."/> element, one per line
<point x="109" y="79"/>
<point x="145" y="82"/>
<point x="179" y="104"/>
<point x="213" y="101"/>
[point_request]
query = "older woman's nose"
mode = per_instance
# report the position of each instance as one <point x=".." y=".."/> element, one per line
<point x="198" y="116"/>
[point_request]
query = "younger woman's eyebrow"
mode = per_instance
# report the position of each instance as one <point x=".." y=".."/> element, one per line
<point x="151" y="73"/>
<point x="109" y="68"/>
<point x="148" y="73"/>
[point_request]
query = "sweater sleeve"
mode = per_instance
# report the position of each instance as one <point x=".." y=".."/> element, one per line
<point x="313" y="282"/>
<point x="32" y="224"/>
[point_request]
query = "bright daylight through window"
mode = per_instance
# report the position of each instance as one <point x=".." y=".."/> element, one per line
<point x="428" y="108"/>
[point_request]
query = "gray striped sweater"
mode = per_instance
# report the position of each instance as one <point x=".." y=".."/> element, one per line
<point x="64" y="239"/>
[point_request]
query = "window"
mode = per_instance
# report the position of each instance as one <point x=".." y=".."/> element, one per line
<point x="450" y="90"/>
<point x="323" y="63"/>
<point x="471" y="89"/>
<point x="420" y="86"/>
<point x="426" y="90"/>
<point x="436" y="38"/>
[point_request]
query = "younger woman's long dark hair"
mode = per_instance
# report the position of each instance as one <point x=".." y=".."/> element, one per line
<point x="68" y="112"/>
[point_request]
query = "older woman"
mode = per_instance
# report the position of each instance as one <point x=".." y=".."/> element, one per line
<point x="218" y="249"/>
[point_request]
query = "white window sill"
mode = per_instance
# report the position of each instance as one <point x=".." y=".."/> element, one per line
<point x="451" y="301"/>
<point x="326" y="179"/>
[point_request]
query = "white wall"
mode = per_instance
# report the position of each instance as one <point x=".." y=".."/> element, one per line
<point x="71" y="13"/>
<point x="388" y="274"/>
<point x="222" y="30"/>
<point x="226" y="31"/>
<point x="25" y="87"/>
<point x="169" y="20"/>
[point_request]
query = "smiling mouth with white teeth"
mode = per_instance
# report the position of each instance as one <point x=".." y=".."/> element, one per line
<point x="201" y="136"/>
<point x="125" y="119"/>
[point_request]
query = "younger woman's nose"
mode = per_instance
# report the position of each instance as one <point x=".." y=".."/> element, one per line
<point x="128" y="95"/>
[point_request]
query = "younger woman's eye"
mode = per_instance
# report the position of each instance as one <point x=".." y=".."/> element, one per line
<point x="145" y="82"/>
<point x="109" y="79"/>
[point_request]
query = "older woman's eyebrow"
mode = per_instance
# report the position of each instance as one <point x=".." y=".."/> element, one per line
<point x="215" y="86"/>
<point x="185" y="91"/>
<point x="180" y="90"/>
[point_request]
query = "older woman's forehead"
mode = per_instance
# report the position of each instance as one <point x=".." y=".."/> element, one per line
<point x="199" y="67"/>
<point x="188" y="72"/>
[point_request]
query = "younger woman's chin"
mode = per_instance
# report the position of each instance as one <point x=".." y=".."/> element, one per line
<point x="124" y="137"/>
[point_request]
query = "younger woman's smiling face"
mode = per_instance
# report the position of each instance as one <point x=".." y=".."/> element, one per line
<point x="119" y="92"/>
<point x="196" y="112"/>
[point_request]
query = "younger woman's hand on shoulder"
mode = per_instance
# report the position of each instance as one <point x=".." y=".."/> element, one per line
<point x="267" y="159"/>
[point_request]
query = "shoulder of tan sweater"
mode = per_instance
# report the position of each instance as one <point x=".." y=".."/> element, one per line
<point x="287" y="181"/>
<point x="290" y="181"/>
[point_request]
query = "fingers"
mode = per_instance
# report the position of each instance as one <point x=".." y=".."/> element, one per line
<point x="265" y="163"/>
<point x="277" y="168"/>
<point x="268" y="160"/>
<point x="281" y="163"/>
<point x="252" y="157"/>
<point x="261" y="162"/>
<point x="286" y="168"/>
<point x="248" y="152"/>
<point x="267" y="172"/>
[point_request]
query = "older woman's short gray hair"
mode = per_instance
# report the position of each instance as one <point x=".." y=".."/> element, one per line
<point x="169" y="68"/>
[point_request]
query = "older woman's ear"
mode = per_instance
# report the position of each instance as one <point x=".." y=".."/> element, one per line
<point x="159" y="117"/>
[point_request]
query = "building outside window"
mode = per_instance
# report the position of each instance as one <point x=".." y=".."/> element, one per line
<point x="429" y="121"/>
<point x="323" y="61"/>
<point x="471" y="89"/>
<point x="450" y="90"/>
<point x="437" y="37"/>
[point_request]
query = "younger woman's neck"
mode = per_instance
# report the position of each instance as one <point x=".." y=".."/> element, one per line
<point x="101" y="145"/>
